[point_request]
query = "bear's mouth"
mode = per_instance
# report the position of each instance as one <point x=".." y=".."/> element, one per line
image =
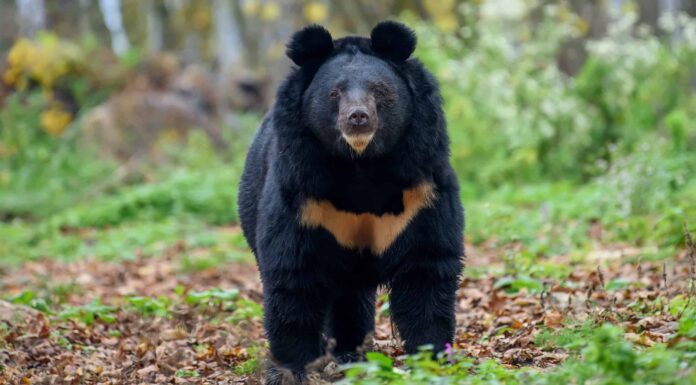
<point x="358" y="142"/>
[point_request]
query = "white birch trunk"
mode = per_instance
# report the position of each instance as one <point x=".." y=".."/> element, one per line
<point x="32" y="16"/>
<point x="155" y="26"/>
<point x="111" y="11"/>
<point x="226" y="36"/>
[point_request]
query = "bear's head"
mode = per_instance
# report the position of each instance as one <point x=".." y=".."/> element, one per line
<point x="358" y="101"/>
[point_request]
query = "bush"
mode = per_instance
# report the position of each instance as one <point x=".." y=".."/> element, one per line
<point x="209" y="195"/>
<point x="41" y="174"/>
<point x="515" y="117"/>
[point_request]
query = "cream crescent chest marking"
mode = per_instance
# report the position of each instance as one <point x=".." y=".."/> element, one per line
<point x="367" y="231"/>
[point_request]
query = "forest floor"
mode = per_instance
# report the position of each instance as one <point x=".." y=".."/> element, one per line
<point x="148" y="320"/>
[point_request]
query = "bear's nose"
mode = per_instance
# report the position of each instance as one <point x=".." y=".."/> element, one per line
<point x="358" y="116"/>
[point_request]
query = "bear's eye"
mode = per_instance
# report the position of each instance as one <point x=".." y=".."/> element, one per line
<point x="380" y="89"/>
<point x="383" y="93"/>
<point x="334" y="94"/>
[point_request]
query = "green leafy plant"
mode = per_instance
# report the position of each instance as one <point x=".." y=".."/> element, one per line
<point x="246" y="309"/>
<point x="153" y="307"/>
<point x="90" y="313"/>
<point x="213" y="297"/>
<point x="30" y="298"/>
<point x="514" y="284"/>
<point x="252" y="364"/>
<point x="186" y="373"/>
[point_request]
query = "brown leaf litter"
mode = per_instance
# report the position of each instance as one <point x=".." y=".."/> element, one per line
<point x="197" y="345"/>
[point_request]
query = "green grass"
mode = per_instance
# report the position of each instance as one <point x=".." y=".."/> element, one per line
<point x="601" y="357"/>
<point x="90" y="313"/>
<point x="555" y="218"/>
<point x="573" y="337"/>
<point x="206" y="245"/>
<point x="251" y="365"/>
<point x="238" y="308"/>
<point x="186" y="373"/>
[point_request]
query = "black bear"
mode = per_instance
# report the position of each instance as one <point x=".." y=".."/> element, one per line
<point x="348" y="186"/>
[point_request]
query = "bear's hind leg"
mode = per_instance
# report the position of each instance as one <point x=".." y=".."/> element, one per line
<point x="351" y="319"/>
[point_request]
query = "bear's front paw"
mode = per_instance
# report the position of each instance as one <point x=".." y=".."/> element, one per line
<point x="279" y="375"/>
<point x="348" y="357"/>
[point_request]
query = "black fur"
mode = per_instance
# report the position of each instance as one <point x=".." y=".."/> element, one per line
<point x="310" y="45"/>
<point x="313" y="287"/>
<point x="393" y="40"/>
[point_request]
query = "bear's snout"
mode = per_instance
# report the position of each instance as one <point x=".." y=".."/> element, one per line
<point x="358" y="117"/>
<point x="358" y="120"/>
<point x="358" y="129"/>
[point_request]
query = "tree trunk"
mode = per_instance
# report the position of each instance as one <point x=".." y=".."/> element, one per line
<point x="111" y="11"/>
<point x="85" y="25"/>
<point x="573" y="54"/>
<point x="32" y="16"/>
<point x="689" y="7"/>
<point x="250" y="37"/>
<point x="351" y="18"/>
<point x="649" y="12"/>
<point x="154" y="15"/>
<point x="226" y="37"/>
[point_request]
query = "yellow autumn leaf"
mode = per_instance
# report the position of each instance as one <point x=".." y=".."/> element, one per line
<point x="443" y="14"/>
<point x="22" y="84"/>
<point x="270" y="12"/>
<point x="582" y="25"/>
<point x="201" y="19"/>
<point x="447" y="22"/>
<point x="19" y="52"/>
<point x="11" y="76"/>
<point x="316" y="12"/>
<point x="251" y="7"/>
<point x="437" y="8"/>
<point x="44" y="60"/>
<point x="54" y="120"/>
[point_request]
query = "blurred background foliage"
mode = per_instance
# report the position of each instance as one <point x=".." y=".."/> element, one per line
<point x="573" y="123"/>
<point x="124" y="125"/>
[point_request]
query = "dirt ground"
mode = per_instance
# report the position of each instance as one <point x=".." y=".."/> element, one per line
<point x="198" y="343"/>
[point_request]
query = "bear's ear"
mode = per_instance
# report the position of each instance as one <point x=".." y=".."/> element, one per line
<point x="393" y="40"/>
<point x="310" y="46"/>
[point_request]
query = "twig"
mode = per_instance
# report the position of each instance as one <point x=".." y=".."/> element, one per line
<point x="542" y="297"/>
<point x="588" y="300"/>
<point x="692" y="280"/>
<point x="611" y="298"/>
<point x="663" y="289"/>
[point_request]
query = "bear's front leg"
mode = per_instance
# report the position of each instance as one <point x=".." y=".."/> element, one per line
<point x="423" y="294"/>
<point x="293" y="319"/>
<point x="351" y="319"/>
